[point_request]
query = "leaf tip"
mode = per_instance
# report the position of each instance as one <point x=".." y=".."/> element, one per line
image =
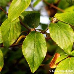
<point x="32" y="70"/>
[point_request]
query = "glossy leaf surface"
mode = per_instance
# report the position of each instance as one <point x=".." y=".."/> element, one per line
<point x="17" y="7"/>
<point x="65" y="67"/>
<point x="10" y="31"/>
<point x="63" y="35"/>
<point x="34" y="50"/>
<point x="67" y="17"/>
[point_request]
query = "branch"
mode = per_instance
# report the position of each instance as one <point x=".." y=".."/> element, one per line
<point x="32" y="7"/>
<point x="23" y="24"/>
<point x="15" y="44"/>
<point x="53" y="6"/>
<point x="3" y="10"/>
<point x="19" y="39"/>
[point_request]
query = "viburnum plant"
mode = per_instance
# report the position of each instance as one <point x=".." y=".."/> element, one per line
<point x="34" y="46"/>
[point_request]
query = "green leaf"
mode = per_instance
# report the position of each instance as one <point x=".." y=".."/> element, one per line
<point x="72" y="53"/>
<point x="36" y="2"/>
<point x="17" y="7"/>
<point x="63" y="35"/>
<point x="4" y="2"/>
<point x="63" y="4"/>
<point x="69" y="9"/>
<point x="2" y="15"/>
<point x="31" y="18"/>
<point x="63" y="55"/>
<point x="4" y="50"/>
<point x="1" y="60"/>
<point x="34" y="50"/>
<point x="10" y="31"/>
<point x="44" y="26"/>
<point x="51" y="1"/>
<point x="0" y="36"/>
<point x="65" y="67"/>
<point x="67" y="17"/>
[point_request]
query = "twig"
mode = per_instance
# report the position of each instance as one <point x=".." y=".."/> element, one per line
<point x="53" y="6"/>
<point x="19" y="45"/>
<point x="11" y="45"/>
<point x="32" y="7"/>
<point x="23" y="24"/>
<point x="3" y="10"/>
<point x="16" y="44"/>
<point x="19" y="39"/>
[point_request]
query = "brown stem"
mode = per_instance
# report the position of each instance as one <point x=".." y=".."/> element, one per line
<point x="53" y="6"/>
<point x="11" y="45"/>
<point x="19" y="39"/>
<point x="16" y="44"/>
<point x="3" y="10"/>
<point x="23" y="24"/>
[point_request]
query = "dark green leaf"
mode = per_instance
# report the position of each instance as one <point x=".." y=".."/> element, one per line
<point x="34" y="50"/>
<point x="31" y="18"/>
<point x="17" y="7"/>
<point x="63" y="4"/>
<point x="44" y="26"/>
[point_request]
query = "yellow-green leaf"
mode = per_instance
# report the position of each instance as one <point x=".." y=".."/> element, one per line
<point x="16" y="8"/>
<point x="63" y="35"/>
<point x="1" y="60"/>
<point x="10" y="31"/>
<point x="67" y="17"/>
<point x="34" y="50"/>
<point x="65" y="67"/>
<point x="0" y="36"/>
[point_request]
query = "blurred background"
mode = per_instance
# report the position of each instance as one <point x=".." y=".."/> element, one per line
<point x="14" y="61"/>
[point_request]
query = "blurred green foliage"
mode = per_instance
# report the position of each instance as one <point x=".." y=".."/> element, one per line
<point x="14" y="62"/>
<point x="4" y="2"/>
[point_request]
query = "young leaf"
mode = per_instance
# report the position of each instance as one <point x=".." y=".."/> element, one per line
<point x="33" y="16"/>
<point x="63" y="35"/>
<point x="1" y="60"/>
<point x="17" y="7"/>
<point x="34" y="50"/>
<point x="0" y="36"/>
<point x="65" y="67"/>
<point x="67" y="17"/>
<point x="10" y="31"/>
